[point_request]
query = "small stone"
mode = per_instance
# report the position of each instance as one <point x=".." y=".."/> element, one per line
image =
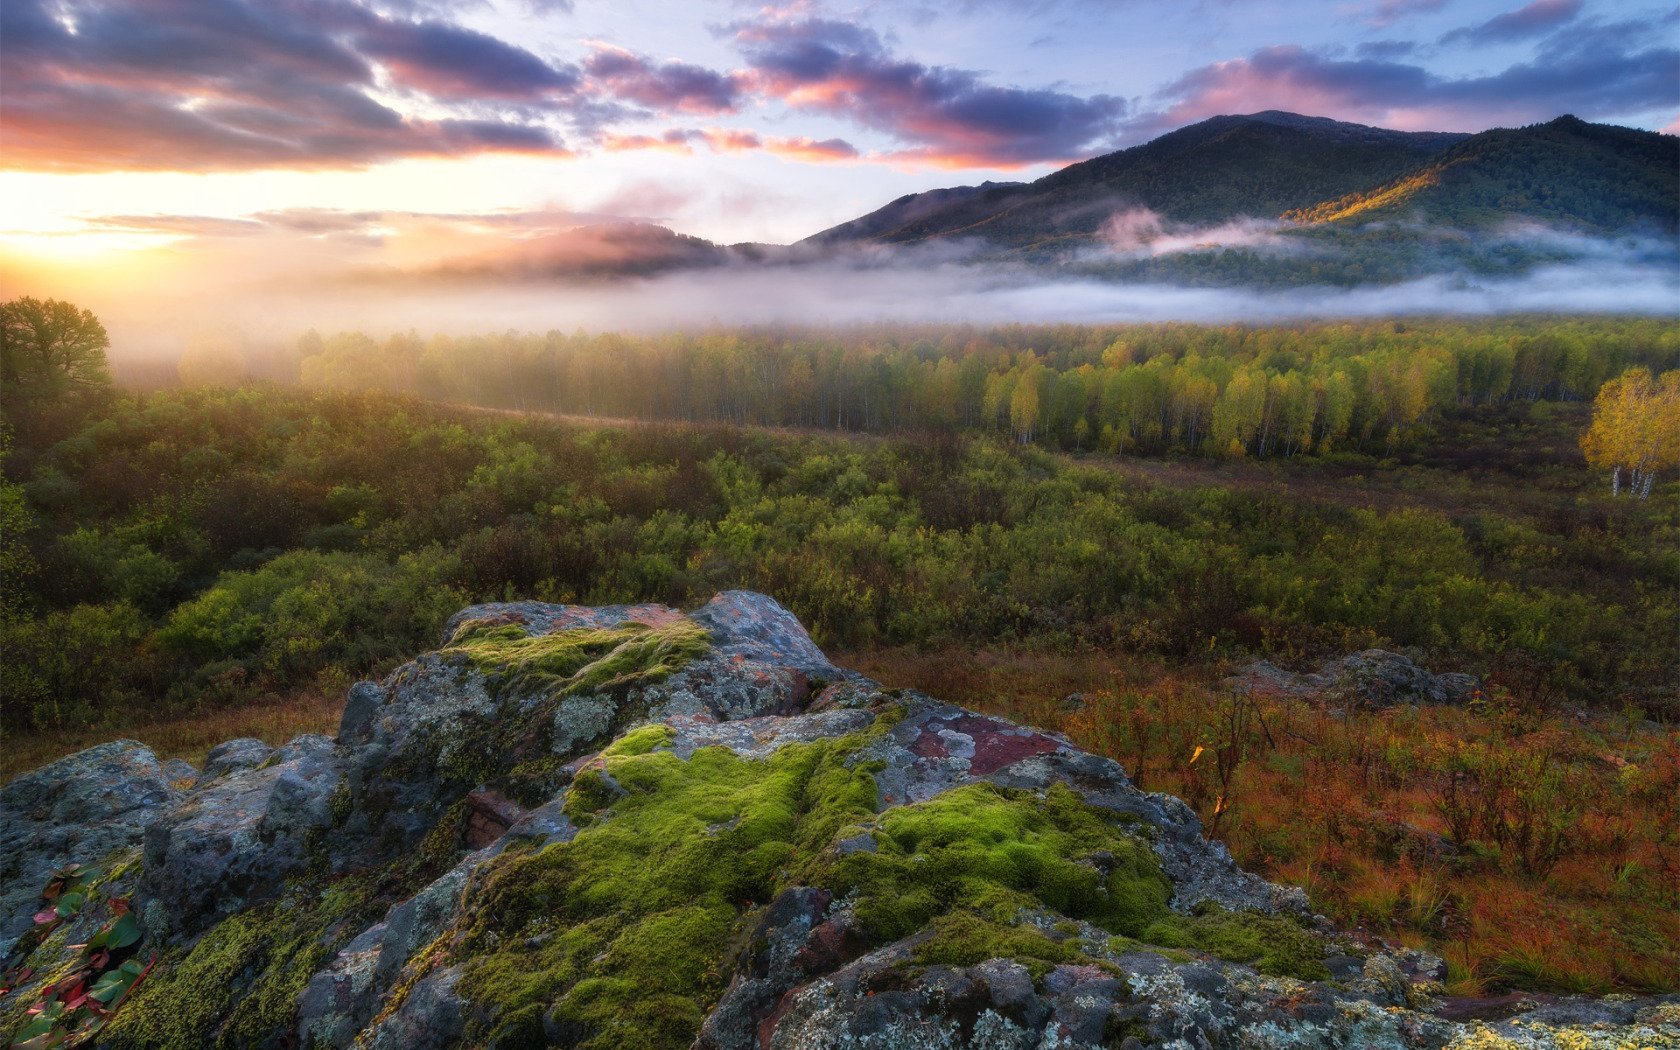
<point x="861" y="843"/>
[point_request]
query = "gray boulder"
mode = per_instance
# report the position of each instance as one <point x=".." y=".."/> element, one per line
<point x="240" y="836"/>
<point x="1372" y="678"/>
<point x="79" y="809"/>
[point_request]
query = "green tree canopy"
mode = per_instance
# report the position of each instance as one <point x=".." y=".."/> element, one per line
<point x="49" y="347"/>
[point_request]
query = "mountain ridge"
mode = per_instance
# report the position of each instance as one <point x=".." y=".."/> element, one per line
<point x="1599" y="177"/>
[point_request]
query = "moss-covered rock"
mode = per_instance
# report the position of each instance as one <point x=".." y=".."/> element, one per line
<point x="623" y="828"/>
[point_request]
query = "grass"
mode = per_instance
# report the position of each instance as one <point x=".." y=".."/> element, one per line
<point x="187" y="735"/>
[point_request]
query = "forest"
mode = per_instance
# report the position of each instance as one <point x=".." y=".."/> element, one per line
<point x="1001" y="515"/>
<point x="1311" y="388"/>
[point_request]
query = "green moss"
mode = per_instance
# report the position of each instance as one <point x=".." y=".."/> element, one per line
<point x="622" y="937"/>
<point x="1273" y="944"/>
<point x="997" y="851"/>
<point x="964" y="938"/>
<point x="640" y="741"/>
<point x="1122" y="945"/>
<point x="239" y="984"/>
<point x="534" y="782"/>
<point x="567" y="663"/>
<point x="341" y="803"/>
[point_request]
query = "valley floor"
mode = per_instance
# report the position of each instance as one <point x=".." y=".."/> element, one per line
<point x="224" y="564"/>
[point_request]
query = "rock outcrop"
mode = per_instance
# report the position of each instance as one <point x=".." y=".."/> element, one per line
<point x="1374" y="678"/>
<point x="632" y="827"/>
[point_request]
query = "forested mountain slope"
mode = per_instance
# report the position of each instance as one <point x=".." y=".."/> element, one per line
<point x="1592" y="176"/>
<point x="1310" y="170"/>
<point x="1219" y="169"/>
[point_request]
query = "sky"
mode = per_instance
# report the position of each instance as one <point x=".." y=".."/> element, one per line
<point x="164" y="137"/>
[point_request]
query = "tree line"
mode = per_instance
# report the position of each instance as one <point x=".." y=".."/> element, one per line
<point x="1212" y="390"/>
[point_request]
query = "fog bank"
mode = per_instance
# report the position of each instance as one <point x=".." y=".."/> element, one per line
<point x="154" y="312"/>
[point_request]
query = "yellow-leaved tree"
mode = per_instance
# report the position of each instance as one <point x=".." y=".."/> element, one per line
<point x="1635" y="429"/>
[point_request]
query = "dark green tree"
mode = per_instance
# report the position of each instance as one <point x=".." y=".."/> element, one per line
<point x="49" y="348"/>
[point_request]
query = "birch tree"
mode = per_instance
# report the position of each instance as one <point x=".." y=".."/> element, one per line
<point x="1635" y="429"/>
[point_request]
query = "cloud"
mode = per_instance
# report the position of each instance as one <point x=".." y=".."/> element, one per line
<point x="1536" y="19"/>
<point x="1383" y="50"/>
<point x="669" y="87"/>
<point x="944" y="116"/>
<point x="209" y="85"/>
<point x="738" y="140"/>
<point x="1390" y="11"/>
<point x="442" y="230"/>
<point x="676" y="140"/>
<point x="1592" y="72"/>
<point x="448" y="62"/>
<point x="1137" y="232"/>
<point x="809" y="149"/>
<point x="731" y="140"/>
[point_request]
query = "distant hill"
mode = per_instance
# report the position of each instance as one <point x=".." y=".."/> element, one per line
<point x="609" y="249"/>
<point x="1315" y="172"/>
<point x="1590" y="176"/>
<point x="1259" y="165"/>
<point x="904" y="210"/>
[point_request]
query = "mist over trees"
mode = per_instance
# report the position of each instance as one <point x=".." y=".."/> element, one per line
<point x="1218" y="390"/>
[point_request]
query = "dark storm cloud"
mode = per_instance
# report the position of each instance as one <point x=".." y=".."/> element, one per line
<point x="1537" y="19"/>
<point x="229" y="84"/>
<point x="943" y="115"/>
<point x="667" y="87"/>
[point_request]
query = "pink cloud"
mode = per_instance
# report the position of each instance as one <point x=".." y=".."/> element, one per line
<point x="809" y="149"/>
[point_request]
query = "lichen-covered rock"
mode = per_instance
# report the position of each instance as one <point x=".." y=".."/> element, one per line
<point x="240" y="836"/>
<point x="1372" y="678"/>
<point x="232" y="755"/>
<point x="79" y="809"/>
<point x="629" y="826"/>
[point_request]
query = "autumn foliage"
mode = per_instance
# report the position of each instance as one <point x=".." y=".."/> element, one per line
<point x="1531" y="848"/>
<point x="1635" y="429"/>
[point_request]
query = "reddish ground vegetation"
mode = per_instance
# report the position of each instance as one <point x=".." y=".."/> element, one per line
<point x="1531" y="848"/>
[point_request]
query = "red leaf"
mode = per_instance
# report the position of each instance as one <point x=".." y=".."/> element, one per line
<point x="44" y="917"/>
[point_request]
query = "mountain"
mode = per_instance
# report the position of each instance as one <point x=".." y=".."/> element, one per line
<point x="901" y="212"/>
<point x="611" y="249"/>
<point x="1591" y="176"/>
<point x="1259" y="165"/>
<point x="1315" y="172"/>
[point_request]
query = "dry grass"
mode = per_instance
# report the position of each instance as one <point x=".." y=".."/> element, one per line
<point x="274" y="720"/>
<point x="1565" y="872"/>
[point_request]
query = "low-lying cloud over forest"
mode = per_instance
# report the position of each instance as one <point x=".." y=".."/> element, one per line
<point x="271" y="276"/>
